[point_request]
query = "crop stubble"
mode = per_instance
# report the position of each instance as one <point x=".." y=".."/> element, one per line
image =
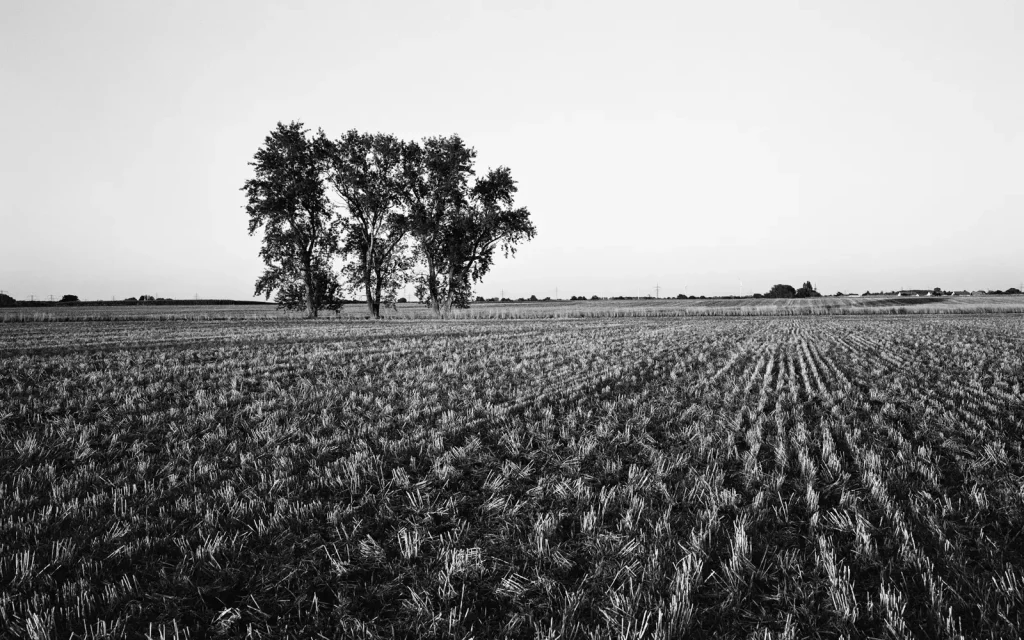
<point x="603" y="477"/>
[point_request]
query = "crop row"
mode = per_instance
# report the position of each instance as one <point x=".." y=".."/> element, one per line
<point x="648" y="477"/>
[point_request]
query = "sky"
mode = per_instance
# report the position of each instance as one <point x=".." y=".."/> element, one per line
<point x="705" y="148"/>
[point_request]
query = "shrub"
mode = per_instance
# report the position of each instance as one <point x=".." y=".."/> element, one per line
<point x="781" y="291"/>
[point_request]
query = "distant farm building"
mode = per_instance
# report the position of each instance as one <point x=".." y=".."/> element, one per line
<point x="918" y="293"/>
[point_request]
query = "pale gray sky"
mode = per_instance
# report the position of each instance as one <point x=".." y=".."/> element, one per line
<point x="697" y="145"/>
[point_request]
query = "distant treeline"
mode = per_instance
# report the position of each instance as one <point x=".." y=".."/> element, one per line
<point x="7" y="301"/>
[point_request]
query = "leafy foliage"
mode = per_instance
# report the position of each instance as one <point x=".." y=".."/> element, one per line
<point x="807" y="290"/>
<point x="287" y="200"/>
<point x="326" y="292"/>
<point x="459" y="223"/>
<point x="781" y="291"/>
<point x="367" y="174"/>
<point x="402" y="204"/>
<point x="437" y="176"/>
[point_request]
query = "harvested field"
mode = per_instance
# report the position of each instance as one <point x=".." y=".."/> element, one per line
<point x="645" y="308"/>
<point x="613" y="477"/>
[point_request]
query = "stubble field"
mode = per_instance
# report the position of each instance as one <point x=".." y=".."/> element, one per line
<point x="613" y="477"/>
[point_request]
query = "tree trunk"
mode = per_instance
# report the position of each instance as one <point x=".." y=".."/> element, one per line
<point x="307" y="276"/>
<point x="450" y="282"/>
<point x="435" y="304"/>
<point x="376" y="303"/>
<point x="372" y="304"/>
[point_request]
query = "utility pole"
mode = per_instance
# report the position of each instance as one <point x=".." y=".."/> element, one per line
<point x="657" y="291"/>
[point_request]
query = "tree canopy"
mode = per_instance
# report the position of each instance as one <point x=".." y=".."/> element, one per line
<point x="781" y="291"/>
<point x="367" y="174"/>
<point x="287" y="199"/>
<point x="401" y="212"/>
<point x="807" y="290"/>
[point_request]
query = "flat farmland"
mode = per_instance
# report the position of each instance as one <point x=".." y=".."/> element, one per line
<point x="564" y="309"/>
<point x="617" y="475"/>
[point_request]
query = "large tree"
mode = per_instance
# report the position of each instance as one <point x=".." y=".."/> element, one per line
<point x="437" y="182"/>
<point x="807" y="290"/>
<point x="490" y="223"/>
<point x="781" y="291"/>
<point x="459" y="223"/>
<point x="288" y="200"/>
<point x="367" y="174"/>
<point x="293" y="294"/>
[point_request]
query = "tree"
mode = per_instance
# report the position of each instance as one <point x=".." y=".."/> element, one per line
<point x="367" y="173"/>
<point x="491" y="223"/>
<point x="69" y="298"/>
<point x="288" y="200"/>
<point x="326" y="292"/>
<point x="807" y="290"/>
<point x="436" y="178"/>
<point x="7" y="301"/>
<point x="781" y="291"/>
<point x="459" y="224"/>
